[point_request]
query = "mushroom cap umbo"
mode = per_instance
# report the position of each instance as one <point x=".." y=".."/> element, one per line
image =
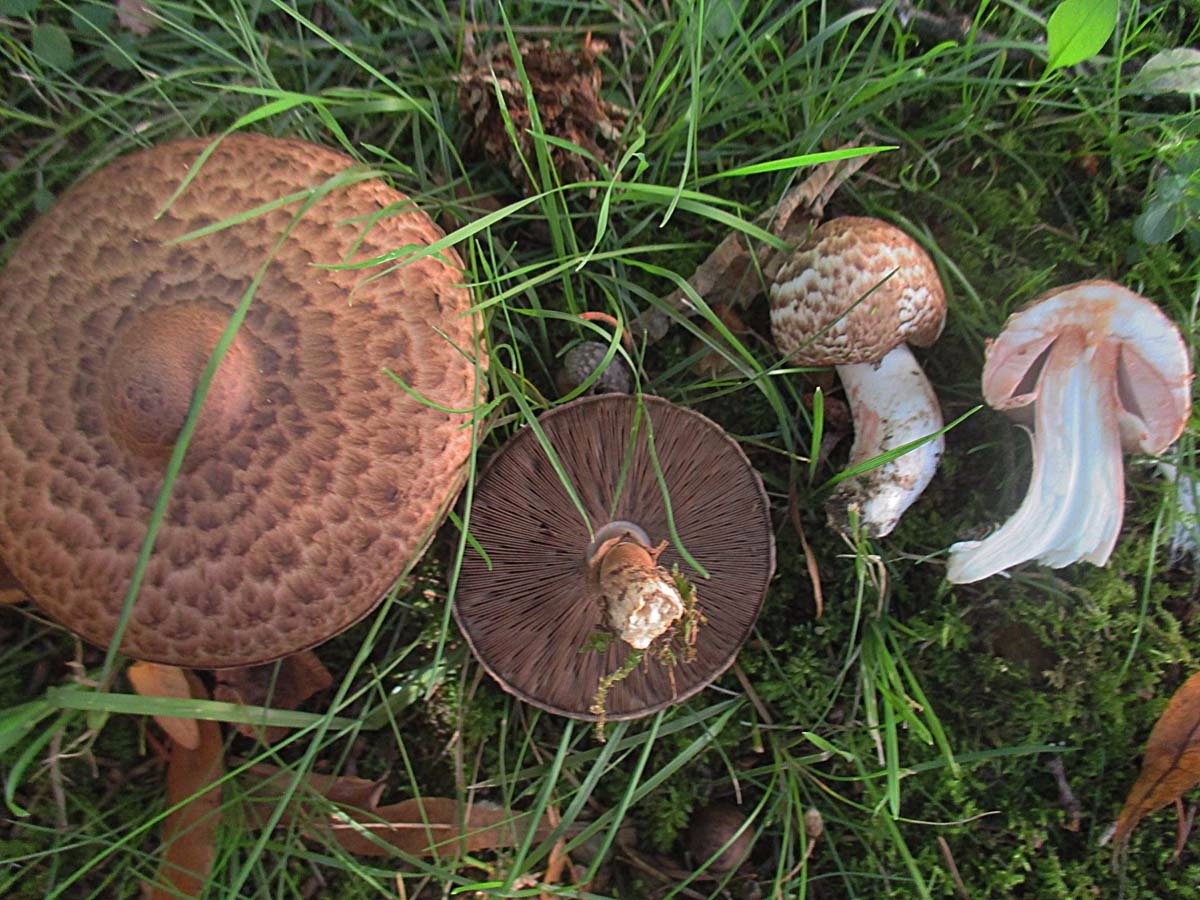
<point x="855" y="289"/>
<point x="312" y="479"/>
<point x="530" y="609"/>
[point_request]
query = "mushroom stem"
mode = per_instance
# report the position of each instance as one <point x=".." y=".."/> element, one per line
<point x="1183" y="541"/>
<point x="641" y="599"/>
<point x="1074" y="506"/>
<point x="893" y="404"/>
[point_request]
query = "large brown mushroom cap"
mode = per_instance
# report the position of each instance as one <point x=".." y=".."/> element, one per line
<point x="854" y="290"/>
<point x="312" y="479"/>
<point x="529" y="610"/>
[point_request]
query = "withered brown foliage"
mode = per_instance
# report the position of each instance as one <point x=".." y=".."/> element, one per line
<point x="565" y="83"/>
<point x="281" y="685"/>
<point x="1171" y="767"/>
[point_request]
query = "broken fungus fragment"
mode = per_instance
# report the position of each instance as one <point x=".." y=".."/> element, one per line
<point x="1104" y="370"/>
<point x="312" y="479"/>
<point x="533" y="604"/>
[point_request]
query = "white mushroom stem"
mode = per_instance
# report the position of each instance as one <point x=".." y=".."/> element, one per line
<point x="1183" y="540"/>
<point x="893" y="404"/>
<point x="643" y="602"/>
<point x="1075" y="502"/>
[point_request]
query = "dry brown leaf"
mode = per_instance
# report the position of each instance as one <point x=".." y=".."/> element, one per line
<point x="346" y="790"/>
<point x="425" y="826"/>
<point x="711" y="364"/>
<point x="280" y="685"/>
<point x="1172" y="763"/>
<point x="421" y="827"/>
<point x="156" y="680"/>
<point x="190" y="832"/>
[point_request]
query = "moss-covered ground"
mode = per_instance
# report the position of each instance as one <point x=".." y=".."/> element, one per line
<point x="930" y="726"/>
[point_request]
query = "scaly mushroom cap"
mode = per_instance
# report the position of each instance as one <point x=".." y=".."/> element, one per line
<point x="530" y="608"/>
<point x="853" y="291"/>
<point x="312" y="479"/>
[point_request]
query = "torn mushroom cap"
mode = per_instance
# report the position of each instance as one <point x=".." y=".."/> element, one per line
<point x="312" y="479"/>
<point x="1105" y="370"/>
<point x="530" y="606"/>
<point x="852" y="295"/>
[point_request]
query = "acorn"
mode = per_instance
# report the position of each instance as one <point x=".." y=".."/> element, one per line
<point x="713" y="826"/>
<point x="585" y="358"/>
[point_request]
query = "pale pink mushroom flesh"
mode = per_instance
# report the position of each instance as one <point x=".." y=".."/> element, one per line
<point x="1104" y="369"/>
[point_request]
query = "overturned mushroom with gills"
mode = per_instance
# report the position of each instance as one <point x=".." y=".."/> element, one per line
<point x="585" y="601"/>
<point x="853" y="295"/>
<point x="311" y="479"/>
<point x="1104" y="370"/>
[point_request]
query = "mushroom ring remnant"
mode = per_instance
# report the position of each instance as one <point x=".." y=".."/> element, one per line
<point x="1105" y="369"/>
<point x="532" y="608"/>
<point x="312" y="479"/>
<point x="851" y="296"/>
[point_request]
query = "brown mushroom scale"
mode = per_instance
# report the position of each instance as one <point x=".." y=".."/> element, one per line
<point x="532" y="608"/>
<point x="312" y="479"/>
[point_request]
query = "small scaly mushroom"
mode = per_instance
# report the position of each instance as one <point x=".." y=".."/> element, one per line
<point x="571" y="587"/>
<point x="1104" y="369"/>
<point x="851" y="296"/>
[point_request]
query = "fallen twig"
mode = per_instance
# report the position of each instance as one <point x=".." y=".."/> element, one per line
<point x="1065" y="795"/>
<point x="953" y="867"/>
<point x="733" y="274"/>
